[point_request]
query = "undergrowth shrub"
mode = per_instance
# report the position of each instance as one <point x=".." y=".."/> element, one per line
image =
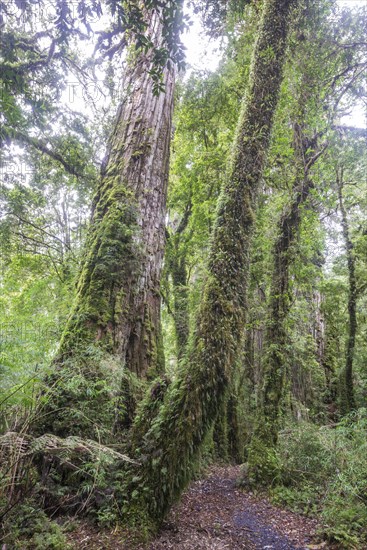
<point x="324" y="471"/>
<point x="63" y="474"/>
<point x="28" y="528"/>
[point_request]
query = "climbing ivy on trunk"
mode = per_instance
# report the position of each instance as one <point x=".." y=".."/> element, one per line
<point x="262" y="456"/>
<point x="347" y="391"/>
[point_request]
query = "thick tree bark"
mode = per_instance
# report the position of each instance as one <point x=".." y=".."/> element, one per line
<point x="262" y="461"/>
<point x="347" y="391"/>
<point x="172" y="444"/>
<point x="118" y="301"/>
<point x="117" y="306"/>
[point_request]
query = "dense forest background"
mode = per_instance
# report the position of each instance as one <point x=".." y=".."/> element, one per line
<point x="186" y="281"/>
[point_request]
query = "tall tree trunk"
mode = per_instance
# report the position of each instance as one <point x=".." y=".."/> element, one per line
<point x="118" y="300"/>
<point x="262" y="461"/>
<point x="172" y="444"/>
<point x="117" y="305"/>
<point x="181" y="302"/>
<point x="329" y="362"/>
<point x="176" y="259"/>
<point x="347" y="391"/>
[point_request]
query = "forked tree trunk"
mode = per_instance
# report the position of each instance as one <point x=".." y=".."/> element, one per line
<point x="347" y="391"/>
<point x="170" y="447"/>
<point x="117" y="305"/>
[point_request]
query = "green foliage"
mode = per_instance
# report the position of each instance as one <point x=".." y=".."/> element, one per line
<point x="305" y="455"/>
<point x="313" y="469"/>
<point x="262" y="468"/>
<point x="84" y="395"/>
<point x="324" y="471"/>
<point x="33" y="307"/>
<point x="205" y="118"/>
<point x="27" y="527"/>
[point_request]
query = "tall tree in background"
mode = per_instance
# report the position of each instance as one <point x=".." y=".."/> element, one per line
<point x="262" y="461"/>
<point x="307" y="151"/>
<point x="177" y="267"/>
<point x="347" y="391"/>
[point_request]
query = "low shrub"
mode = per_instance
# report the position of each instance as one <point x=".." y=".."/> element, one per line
<point x="28" y="528"/>
<point x="324" y="471"/>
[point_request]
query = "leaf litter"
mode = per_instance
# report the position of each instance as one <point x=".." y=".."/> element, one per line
<point x="215" y="514"/>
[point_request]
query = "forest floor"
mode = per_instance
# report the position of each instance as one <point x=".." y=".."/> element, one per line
<point x="214" y="514"/>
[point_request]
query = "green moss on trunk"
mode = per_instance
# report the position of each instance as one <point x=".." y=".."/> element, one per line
<point x="192" y="403"/>
<point x="116" y="312"/>
<point x="220" y="433"/>
<point x="347" y="400"/>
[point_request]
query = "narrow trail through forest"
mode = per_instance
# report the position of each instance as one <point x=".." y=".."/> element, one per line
<point x="214" y="514"/>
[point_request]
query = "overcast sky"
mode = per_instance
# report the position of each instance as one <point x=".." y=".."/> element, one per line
<point x="204" y="53"/>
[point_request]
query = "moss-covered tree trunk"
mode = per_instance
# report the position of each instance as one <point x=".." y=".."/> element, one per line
<point x="227" y="437"/>
<point x="262" y="459"/>
<point x="116" y="312"/>
<point x="172" y="444"/>
<point x="181" y="302"/>
<point x="177" y="267"/>
<point x="118" y="300"/>
<point x="347" y="391"/>
<point x="329" y="364"/>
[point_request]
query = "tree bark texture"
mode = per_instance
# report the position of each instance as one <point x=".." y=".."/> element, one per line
<point x="118" y="299"/>
<point x="114" y="327"/>
<point x="170" y="447"/>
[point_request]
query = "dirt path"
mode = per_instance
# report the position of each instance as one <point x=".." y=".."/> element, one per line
<point x="215" y="515"/>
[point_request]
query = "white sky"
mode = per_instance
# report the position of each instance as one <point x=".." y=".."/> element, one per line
<point x="203" y="53"/>
<point x="352" y="3"/>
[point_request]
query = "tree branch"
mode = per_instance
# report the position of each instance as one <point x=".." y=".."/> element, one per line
<point x="43" y="148"/>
